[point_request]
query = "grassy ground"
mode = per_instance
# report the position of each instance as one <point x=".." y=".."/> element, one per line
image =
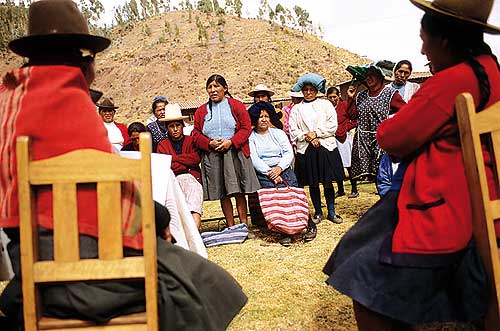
<point x="285" y="285"/>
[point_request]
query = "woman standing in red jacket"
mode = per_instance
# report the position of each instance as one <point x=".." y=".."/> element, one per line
<point x="411" y="258"/>
<point x="221" y="130"/>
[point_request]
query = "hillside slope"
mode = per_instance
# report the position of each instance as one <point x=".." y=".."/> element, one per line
<point x="151" y="59"/>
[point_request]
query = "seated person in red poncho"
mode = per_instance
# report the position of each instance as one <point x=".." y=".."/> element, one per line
<point x="185" y="159"/>
<point x="194" y="294"/>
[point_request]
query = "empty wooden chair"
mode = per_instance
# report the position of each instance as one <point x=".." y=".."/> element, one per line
<point x="485" y="211"/>
<point x="64" y="172"/>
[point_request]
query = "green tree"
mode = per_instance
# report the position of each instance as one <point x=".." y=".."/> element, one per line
<point x="302" y="18"/>
<point x="205" y="6"/>
<point x="13" y="22"/>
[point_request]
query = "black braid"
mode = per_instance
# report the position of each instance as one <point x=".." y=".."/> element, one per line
<point x="482" y="78"/>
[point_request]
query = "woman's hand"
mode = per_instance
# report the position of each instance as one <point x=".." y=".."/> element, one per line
<point x="224" y="145"/>
<point x="278" y="180"/>
<point x="274" y="172"/>
<point x="214" y="143"/>
<point x="310" y="136"/>
<point x="351" y="91"/>
<point x="315" y="142"/>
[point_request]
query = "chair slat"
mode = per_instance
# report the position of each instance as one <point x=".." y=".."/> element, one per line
<point x="93" y="167"/>
<point x="89" y="269"/>
<point x="65" y="222"/>
<point x="487" y="120"/>
<point x="110" y="220"/>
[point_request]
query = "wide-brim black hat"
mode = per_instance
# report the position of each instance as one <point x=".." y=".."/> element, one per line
<point x="55" y="25"/>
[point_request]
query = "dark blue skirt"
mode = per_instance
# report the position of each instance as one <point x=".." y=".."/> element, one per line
<point x="318" y="165"/>
<point x="457" y="292"/>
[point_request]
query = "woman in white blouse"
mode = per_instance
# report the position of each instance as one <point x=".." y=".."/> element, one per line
<point x="312" y="127"/>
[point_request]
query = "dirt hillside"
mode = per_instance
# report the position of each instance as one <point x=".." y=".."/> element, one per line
<point x="152" y="58"/>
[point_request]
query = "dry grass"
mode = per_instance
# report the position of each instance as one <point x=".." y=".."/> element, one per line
<point x="285" y="285"/>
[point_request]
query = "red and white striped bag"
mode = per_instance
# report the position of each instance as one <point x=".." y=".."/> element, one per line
<point x="285" y="209"/>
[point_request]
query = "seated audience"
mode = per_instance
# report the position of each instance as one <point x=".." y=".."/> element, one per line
<point x="272" y="156"/>
<point x="134" y="129"/>
<point x="194" y="293"/>
<point x="117" y="132"/>
<point x="185" y="159"/>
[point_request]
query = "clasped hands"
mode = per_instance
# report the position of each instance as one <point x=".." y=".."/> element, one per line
<point x="220" y="145"/>
<point x="312" y="138"/>
<point x="274" y="174"/>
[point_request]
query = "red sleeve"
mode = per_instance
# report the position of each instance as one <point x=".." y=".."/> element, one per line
<point x="243" y="124"/>
<point x="190" y="156"/>
<point x="200" y="140"/>
<point x="124" y="131"/>
<point x="396" y="103"/>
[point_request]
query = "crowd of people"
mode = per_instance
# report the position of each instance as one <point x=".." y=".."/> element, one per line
<point x="385" y="129"/>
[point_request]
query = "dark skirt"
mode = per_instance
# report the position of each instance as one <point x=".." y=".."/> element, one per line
<point x="287" y="175"/>
<point x="318" y="165"/>
<point x="457" y="292"/>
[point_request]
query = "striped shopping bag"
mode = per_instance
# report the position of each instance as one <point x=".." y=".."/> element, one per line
<point x="285" y="209"/>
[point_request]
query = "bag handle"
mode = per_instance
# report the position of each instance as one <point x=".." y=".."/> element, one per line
<point x="283" y="182"/>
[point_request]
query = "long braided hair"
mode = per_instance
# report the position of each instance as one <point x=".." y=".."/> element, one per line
<point x="221" y="81"/>
<point x="466" y="42"/>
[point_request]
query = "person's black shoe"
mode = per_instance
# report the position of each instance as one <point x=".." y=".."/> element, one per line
<point x="317" y="218"/>
<point x="353" y="195"/>
<point x="334" y="219"/>
<point x="310" y="234"/>
<point x="339" y="194"/>
<point x="286" y="241"/>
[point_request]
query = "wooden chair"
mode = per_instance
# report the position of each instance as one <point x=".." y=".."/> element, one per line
<point x="63" y="173"/>
<point x="473" y="126"/>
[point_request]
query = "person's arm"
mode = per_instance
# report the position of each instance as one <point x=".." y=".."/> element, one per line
<point x="296" y="134"/>
<point x="200" y="140"/>
<point x="396" y="103"/>
<point x="328" y="127"/>
<point x="286" y="148"/>
<point x="240" y="137"/>
<point x="259" y="165"/>
<point x="190" y="156"/>
<point x="413" y="126"/>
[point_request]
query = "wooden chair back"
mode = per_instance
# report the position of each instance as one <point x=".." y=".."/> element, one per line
<point x="474" y="126"/>
<point x="63" y="173"/>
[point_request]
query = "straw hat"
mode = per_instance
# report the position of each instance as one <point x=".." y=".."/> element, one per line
<point x="173" y="113"/>
<point x="55" y="25"/>
<point x="471" y="11"/>
<point x="107" y="103"/>
<point x="295" y="94"/>
<point x="261" y="88"/>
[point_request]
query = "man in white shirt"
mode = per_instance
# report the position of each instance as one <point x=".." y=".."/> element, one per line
<point x="117" y="132"/>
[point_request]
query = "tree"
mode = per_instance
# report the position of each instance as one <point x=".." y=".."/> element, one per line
<point x="92" y="11"/>
<point x="205" y="6"/>
<point x="283" y="14"/>
<point x="13" y="22"/>
<point x="302" y="18"/>
<point x="237" y="7"/>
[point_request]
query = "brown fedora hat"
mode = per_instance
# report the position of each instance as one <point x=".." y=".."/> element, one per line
<point x="55" y="25"/>
<point x="471" y="11"/>
<point x="107" y="103"/>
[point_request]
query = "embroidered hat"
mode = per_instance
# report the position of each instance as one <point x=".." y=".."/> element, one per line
<point x="56" y="25"/>
<point x="261" y="88"/>
<point x="471" y="11"/>
<point x="107" y="103"/>
<point x="384" y="68"/>
<point x="173" y="113"/>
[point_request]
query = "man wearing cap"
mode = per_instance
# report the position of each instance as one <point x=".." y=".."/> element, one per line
<point x="117" y="132"/>
<point x="185" y="159"/>
<point x="53" y="87"/>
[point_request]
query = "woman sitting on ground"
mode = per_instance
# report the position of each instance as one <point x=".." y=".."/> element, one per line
<point x="134" y="129"/>
<point x="272" y="156"/>
<point x="185" y="159"/>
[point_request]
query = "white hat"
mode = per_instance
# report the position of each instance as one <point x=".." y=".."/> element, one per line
<point x="295" y="94"/>
<point x="261" y="88"/>
<point x="173" y="113"/>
